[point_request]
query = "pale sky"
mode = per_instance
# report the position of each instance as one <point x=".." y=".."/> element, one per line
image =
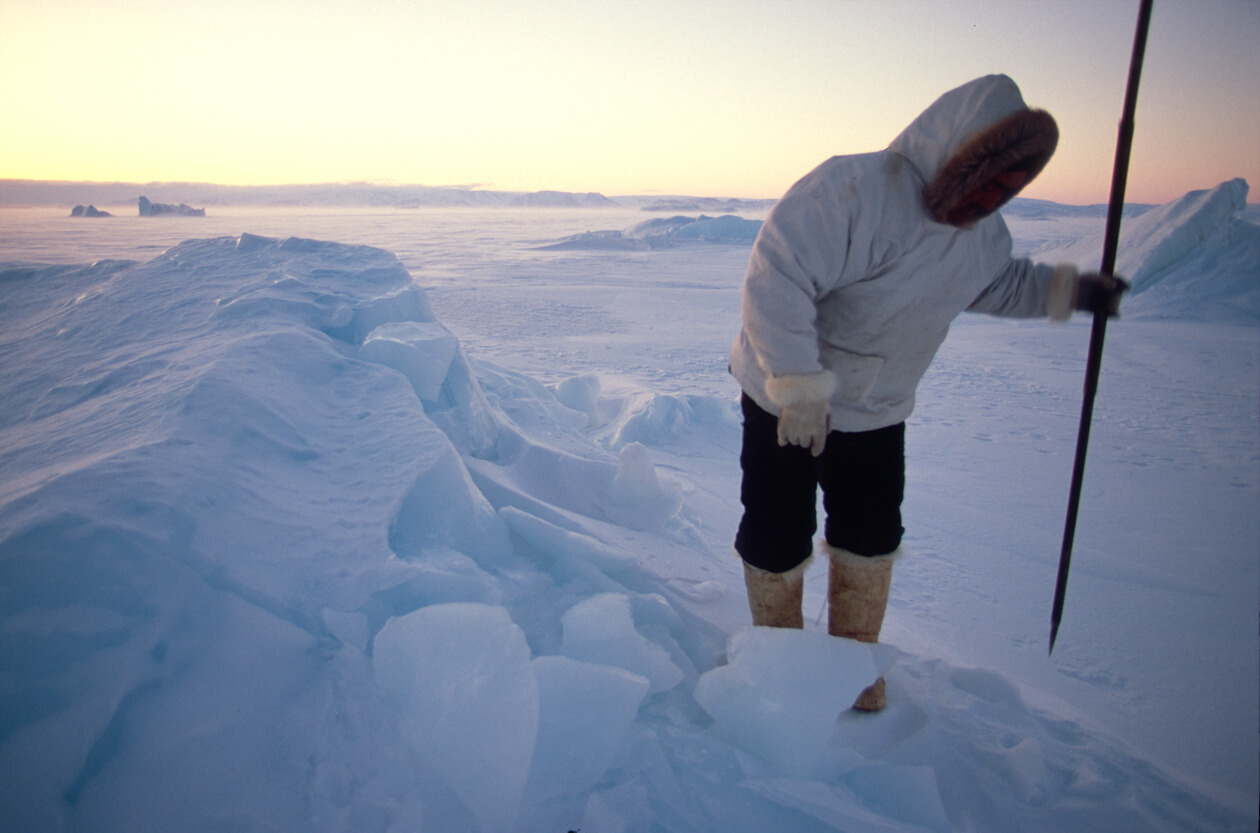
<point x="702" y="97"/>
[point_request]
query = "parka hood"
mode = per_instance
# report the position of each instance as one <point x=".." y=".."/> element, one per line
<point x="971" y="134"/>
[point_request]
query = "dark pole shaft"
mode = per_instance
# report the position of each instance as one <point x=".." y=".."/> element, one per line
<point x="1098" y="333"/>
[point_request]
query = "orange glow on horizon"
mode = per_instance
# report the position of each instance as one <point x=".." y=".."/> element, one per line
<point x="703" y="98"/>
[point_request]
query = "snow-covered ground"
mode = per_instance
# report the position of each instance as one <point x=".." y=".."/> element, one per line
<point x="301" y="535"/>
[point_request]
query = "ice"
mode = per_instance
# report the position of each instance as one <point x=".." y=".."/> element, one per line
<point x="564" y="544"/>
<point x="260" y="513"/>
<point x="421" y="351"/>
<point x="781" y="692"/>
<point x="463" y="412"/>
<point x="600" y="629"/>
<point x="1163" y="236"/>
<point x="351" y="628"/>
<point x="460" y="674"/>
<point x="1195" y="257"/>
<point x="905" y="793"/>
<point x="878" y="798"/>
<point x="585" y="715"/>
<point x="444" y="508"/>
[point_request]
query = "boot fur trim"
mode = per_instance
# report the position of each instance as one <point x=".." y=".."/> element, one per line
<point x="801" y="389"/>
<point x="789" y="575"/>
<point x="1024" y="140"/>
<point x="1061" y="296"/>
<point x="849" y="559"/>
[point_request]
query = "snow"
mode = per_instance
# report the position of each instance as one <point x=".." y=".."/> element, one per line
<point x="429" y="529"/>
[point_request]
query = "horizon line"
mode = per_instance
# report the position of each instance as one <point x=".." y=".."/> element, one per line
<point x="483" y="188"/>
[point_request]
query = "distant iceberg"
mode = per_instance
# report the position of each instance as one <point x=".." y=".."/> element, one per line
<point x="726" y="206"/>
<point x="88" y="211"/>
<point x="666" y="233"/>
<point x="558" y="199"/>
<point x="155" y="209"/>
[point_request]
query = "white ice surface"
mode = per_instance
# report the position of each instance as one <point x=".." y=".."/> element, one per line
<point x="780" y="691"/>
<point x="289" y="542"/>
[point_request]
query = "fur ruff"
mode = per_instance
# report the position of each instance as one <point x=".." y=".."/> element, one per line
<point x="850" y="559"/>
<point x="792" y="574"/>
<point x="801" y="389"/>
<point x="1025" y="140"/>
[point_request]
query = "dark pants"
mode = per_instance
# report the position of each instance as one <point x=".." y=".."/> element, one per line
<point x="863" y="478"/>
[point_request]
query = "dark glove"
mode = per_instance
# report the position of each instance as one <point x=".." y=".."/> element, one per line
<point x="1100" y="293"/>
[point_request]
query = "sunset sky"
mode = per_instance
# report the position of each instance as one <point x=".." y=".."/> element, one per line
<point x="700" y="97"/>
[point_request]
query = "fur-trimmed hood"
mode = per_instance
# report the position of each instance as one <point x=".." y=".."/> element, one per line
<point x="970" y="135"/>
<point x="852" y="284"/>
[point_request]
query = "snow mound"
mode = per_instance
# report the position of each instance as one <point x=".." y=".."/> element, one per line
<point x="665" y="233"/>
<point x="637" y="497"/>
<point x="1195" y="257"/>
<point x="657" y="419"/>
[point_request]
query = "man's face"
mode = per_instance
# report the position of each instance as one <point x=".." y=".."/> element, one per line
<point x="982" y="201"/>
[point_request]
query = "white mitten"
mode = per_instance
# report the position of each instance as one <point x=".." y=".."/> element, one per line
<point x="805" y="425"/>
<point x="804" y="408"/>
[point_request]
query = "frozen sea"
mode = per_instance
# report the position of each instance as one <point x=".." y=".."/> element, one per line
<point x="385" y="520"/>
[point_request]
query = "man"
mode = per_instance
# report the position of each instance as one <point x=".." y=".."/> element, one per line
<point x="852" y="285"/>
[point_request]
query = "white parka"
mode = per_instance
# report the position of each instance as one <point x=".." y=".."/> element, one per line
<point x="852" y="283"/>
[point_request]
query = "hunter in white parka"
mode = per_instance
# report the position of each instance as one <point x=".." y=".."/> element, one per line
<point x="858" y="272"/>
<point x="852" y="285"/>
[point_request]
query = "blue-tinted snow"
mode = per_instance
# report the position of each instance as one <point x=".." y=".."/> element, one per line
<point x="280" y="550"/>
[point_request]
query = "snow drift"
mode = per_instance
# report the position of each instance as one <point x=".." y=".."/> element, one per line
<point x="1196" y="257"/>
<point x="276" y="554"/>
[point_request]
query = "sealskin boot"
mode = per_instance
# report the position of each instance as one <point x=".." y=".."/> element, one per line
<point x="857" y="595"/>
<point x="775" y="598"/>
